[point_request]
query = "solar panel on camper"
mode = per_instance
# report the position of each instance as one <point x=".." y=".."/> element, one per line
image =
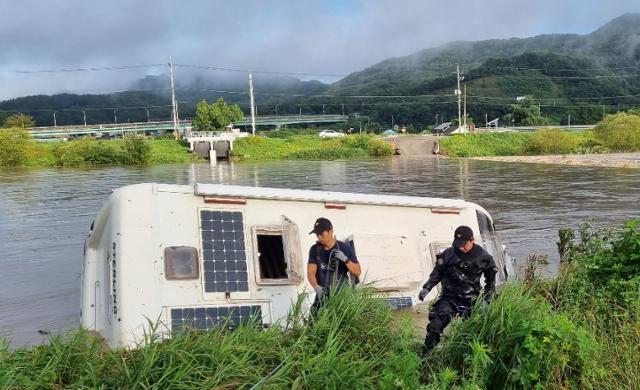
<point x="223" y="251"/>
<point x="205" y="318"/>
<point x="400" y="302"/>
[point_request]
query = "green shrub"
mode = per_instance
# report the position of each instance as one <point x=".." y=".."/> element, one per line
<point x="598" y="288"/>
<point x="136" y="150"/>
<point x="550" y="141"/>
<point x="87" y="152"/>
<point x="14" y="144"/>
<point x="610" y="261"/>
<point x="620" y="132"/>
<point x="483" y="144"/>
<point x="590" y="144"/>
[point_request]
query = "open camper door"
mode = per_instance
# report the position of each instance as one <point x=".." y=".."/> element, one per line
<point x="292" y="250"/>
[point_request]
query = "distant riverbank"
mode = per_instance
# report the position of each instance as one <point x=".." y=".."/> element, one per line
<point x="614" y="160"/>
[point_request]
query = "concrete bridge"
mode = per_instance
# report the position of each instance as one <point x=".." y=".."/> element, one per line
<point x="118" y="129"/>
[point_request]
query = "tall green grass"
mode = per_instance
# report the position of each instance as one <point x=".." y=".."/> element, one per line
<point x="541" y="142"/>
<point x="483" y="144"/>
<point x="310" y="147"/>
<point x="353" y="343"/>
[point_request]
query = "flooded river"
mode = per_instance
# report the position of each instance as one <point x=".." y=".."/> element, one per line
<point x="45" y="213"/>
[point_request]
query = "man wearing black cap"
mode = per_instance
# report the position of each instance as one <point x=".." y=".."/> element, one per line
<point x="459" y="269"/>
<point x="330" y="262"/>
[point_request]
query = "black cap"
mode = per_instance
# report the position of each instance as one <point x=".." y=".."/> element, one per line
<point x="461" y="236"/>
<point x="321" y="225"/>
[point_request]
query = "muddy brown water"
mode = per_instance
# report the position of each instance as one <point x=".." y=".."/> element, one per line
<point x="45" y="213"/>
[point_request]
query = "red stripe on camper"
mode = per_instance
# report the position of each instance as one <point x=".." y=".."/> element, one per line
<point x="225" y="200"/>
<point x="445" y="211"/>
<point x="336" y="206"/>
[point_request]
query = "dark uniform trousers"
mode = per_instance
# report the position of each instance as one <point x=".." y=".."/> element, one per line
<point x="441" y="314"/>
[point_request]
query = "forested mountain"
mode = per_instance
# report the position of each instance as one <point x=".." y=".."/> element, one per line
<point x="579" y="75"/>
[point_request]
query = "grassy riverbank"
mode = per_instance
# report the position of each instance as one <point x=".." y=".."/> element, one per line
<point x="310" y="147"/>
<point x="616" y="133"/>
<point x="581" y="330"/>
<point x="18" y="149"/>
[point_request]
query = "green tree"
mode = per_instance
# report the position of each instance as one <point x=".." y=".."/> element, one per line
<point x="216" y="115"/>
<point x="14" y="145"/>
<point x="202" y="120"/>
<point x="525" y="113"/>
<point x="223" y="114"/>
<point x="18" y="121"/>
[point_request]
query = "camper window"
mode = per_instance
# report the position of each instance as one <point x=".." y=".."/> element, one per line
<point x="484" y="223"/>
<point x="272" y="261"/>
<point x="180" y="263"/>
<point x="271" y="256"/>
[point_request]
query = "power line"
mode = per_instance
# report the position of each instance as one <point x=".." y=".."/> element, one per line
<point x="216" y="68"/>
<point x="85" y="109"/>
<point x="97" y="69"/>
<point x="518" y="68"/>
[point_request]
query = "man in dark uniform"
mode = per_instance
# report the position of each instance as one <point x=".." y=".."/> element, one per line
<point x="330" y="262"/>
<point x="459" y="269"/>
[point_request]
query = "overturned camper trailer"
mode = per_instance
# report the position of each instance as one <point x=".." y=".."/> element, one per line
<point x="200" y="255"/>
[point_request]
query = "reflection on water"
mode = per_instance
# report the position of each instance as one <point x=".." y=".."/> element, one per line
<point x="45" y="213"/>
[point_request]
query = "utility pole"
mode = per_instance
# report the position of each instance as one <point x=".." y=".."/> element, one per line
<point x="300" y="109"/>
<point x="55" y="124"/>
<point x="459" y="93"/>
<point x="486" y="120"/>
<point x="342" y="108"/>
<point x="436" y="119"/>
<point x="465" y="107"/>
<point x="174" y="104"/>
<point x="323" y="110"/>
<point x="115" y="117"/>
<point x="148" y="117"/>
<point x="569" y="121"/>
<point x="603" y="111"/>
<point x="276" y="110"/>
<point x="84" y="117"/>
<point x="253" y="112"/>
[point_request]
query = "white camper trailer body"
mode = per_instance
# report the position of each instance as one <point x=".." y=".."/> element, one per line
<point x="200" y="255"/>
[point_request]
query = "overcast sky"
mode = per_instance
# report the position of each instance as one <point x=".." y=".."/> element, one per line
<point x="298" y="36"/>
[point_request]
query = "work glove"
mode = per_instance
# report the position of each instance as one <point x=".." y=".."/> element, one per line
<point x="338" y="254"/>
<point x="488" y="297"/>
<point x="423" y="294"/>
<point x="319" y="291"/>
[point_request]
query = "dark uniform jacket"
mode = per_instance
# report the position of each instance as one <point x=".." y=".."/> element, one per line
<point x="460" y="273"/>
<point x="331" y="270"/>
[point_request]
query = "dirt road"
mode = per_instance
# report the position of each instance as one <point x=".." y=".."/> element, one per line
<point x="414" y="145"/>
